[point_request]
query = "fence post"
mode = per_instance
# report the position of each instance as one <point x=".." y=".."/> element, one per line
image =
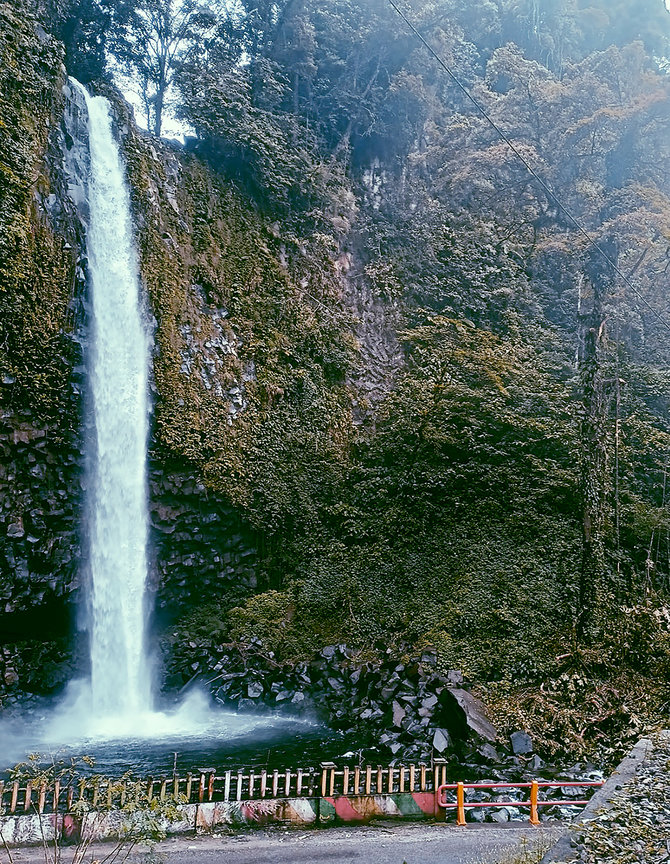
<point x="534" y="818"/>
<point x="460" y="801"/>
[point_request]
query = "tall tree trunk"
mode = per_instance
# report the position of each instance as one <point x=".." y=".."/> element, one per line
<point x="158" y="110"/>
<point x="161" y="90"/>
<point x="599" y="275"/>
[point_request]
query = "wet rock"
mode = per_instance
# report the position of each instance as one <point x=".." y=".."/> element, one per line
<point x="254" y="689"/>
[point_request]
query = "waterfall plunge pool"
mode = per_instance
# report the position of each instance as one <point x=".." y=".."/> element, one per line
<point x="191" y="735"/>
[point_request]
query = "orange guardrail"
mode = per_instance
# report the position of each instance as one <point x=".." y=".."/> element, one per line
<point x="461" y="805"/>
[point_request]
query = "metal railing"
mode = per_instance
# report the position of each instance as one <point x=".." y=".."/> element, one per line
<point x="461" y="805"/>
<point x="249" y="784"/>
<point x="209" y="784"/>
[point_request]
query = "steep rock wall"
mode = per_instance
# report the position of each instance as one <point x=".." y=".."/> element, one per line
<point x="40" y="382"/>
<point x="269" y="350"/>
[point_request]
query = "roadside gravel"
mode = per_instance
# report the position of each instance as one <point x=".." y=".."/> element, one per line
<point x="633" y="827"/>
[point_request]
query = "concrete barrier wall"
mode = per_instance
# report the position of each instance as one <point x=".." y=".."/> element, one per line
<point x="34" y="829"/>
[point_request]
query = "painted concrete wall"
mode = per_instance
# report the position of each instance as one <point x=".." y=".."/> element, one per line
<point x="29" y="829"/>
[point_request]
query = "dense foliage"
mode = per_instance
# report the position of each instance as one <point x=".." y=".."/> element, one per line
<point x="502" y="493"/>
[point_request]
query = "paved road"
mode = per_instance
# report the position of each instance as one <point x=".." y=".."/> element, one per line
<point x="416" y="844"/>
<point x="378" y="844"/>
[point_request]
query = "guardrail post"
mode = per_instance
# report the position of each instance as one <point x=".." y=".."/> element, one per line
<point x="534" y="818"/>
<point x="460" y="802"/>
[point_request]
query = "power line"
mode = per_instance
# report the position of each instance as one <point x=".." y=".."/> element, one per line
<point x="552" y="195"/>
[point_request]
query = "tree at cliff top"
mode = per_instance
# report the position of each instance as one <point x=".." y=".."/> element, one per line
<point x="153" y="39"/>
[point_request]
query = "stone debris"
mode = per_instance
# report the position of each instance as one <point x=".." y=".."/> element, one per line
<point x="521" y="743"/>
<point x="635" y="827"/>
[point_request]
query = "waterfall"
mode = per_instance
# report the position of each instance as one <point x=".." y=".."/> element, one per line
<point x="117" y="366"/>
<point x="115" y="705"/>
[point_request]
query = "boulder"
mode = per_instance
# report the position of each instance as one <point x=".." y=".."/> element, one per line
<point x="398" y="714"/>
<point x="254" y="689"/>
<point x="489" y="753"/>
<point x="475" y="714"/>
<point x="501" y="816"/>
<point x="521" y="743"/>
<point x="441" y="740"/>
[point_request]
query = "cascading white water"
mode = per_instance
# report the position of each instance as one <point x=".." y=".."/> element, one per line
<point x="116" y="704"/>
<point x="117" y="362"/>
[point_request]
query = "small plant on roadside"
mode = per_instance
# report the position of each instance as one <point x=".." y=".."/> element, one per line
<point x="132" y="814"/>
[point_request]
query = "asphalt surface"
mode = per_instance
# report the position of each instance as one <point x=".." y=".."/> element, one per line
<point x="378" y="844"/>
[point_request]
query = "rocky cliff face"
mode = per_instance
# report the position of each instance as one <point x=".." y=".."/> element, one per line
<point x="245" y="360"/>
<point x="40" y="318"/>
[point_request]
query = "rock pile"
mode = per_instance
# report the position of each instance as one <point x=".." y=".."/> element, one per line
<point x="410" y="709"/>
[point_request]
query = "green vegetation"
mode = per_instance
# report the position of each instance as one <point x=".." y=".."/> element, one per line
<point x="36" y="268"/>
<point x="440" y="410"/>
